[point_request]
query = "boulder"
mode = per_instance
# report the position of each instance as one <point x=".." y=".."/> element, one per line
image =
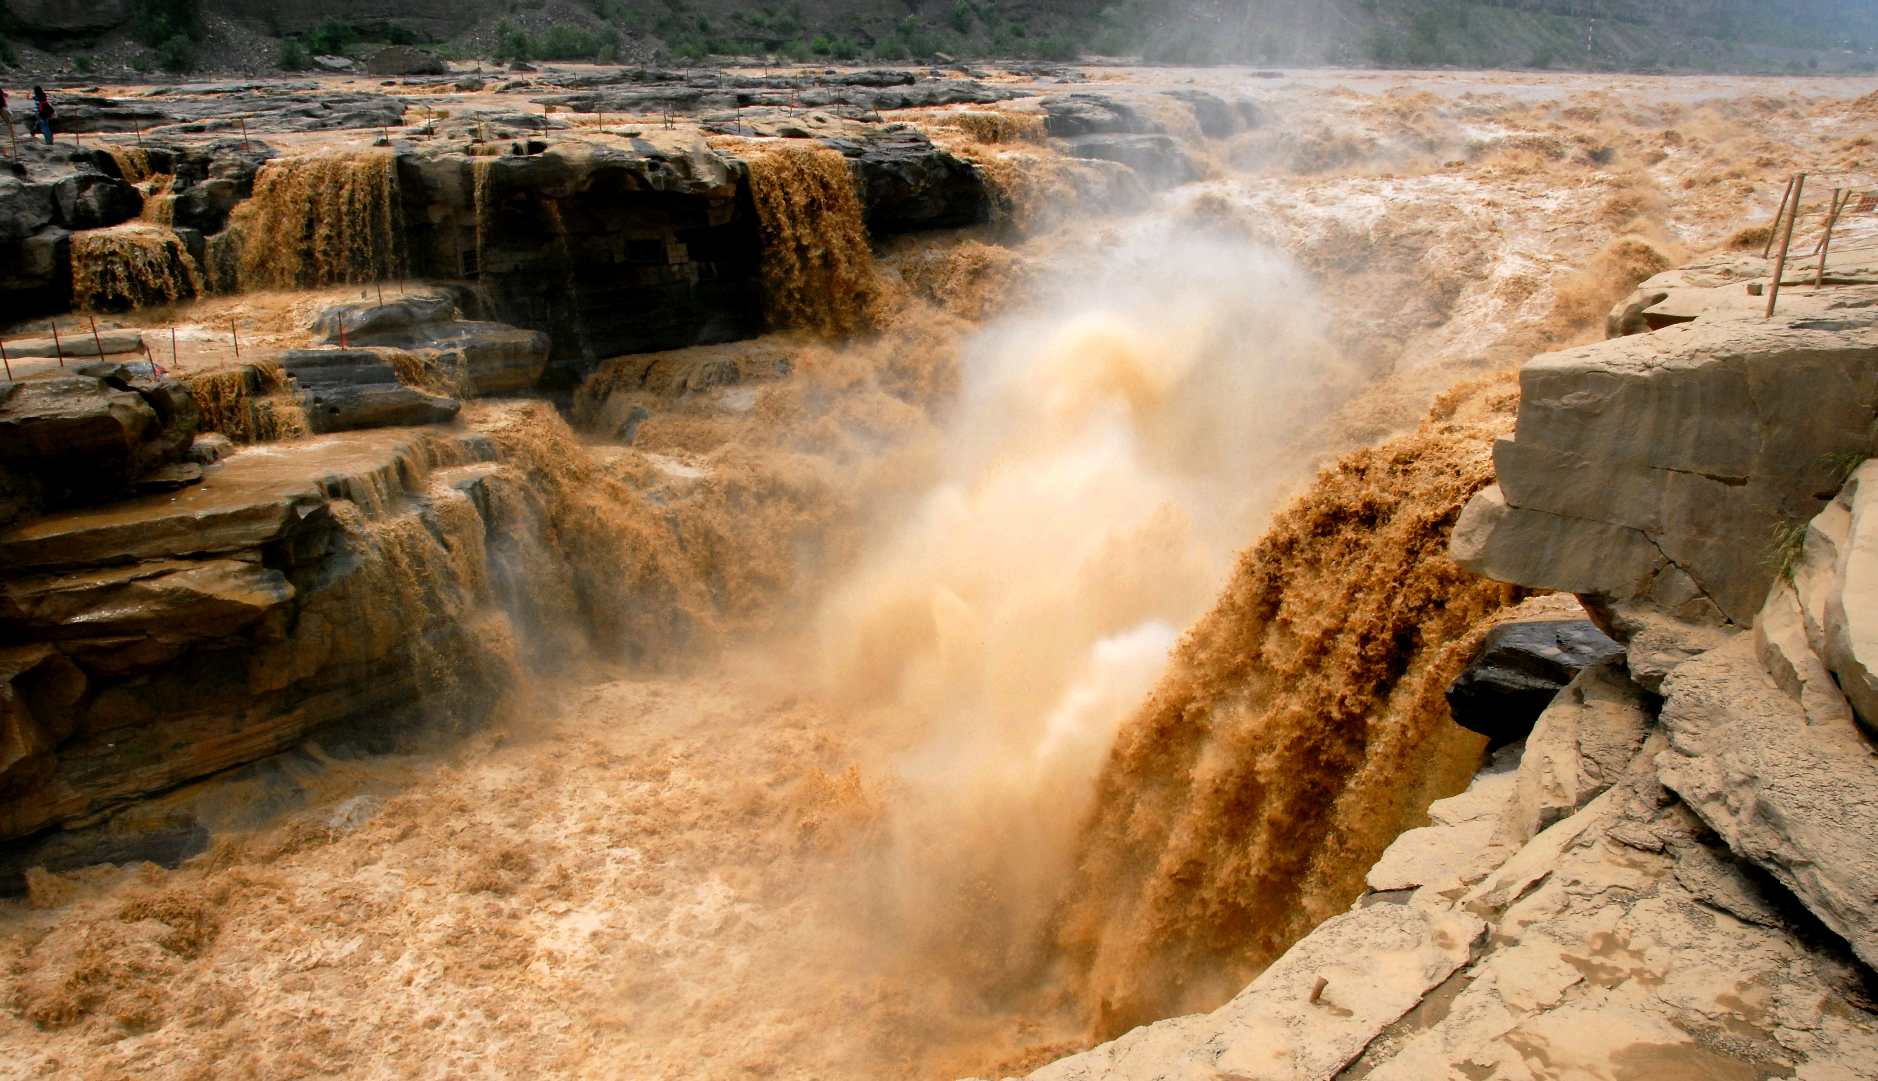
<point x="1798" y="799"/>
<point x="1073" y="115"/>
<point x="489" y="358"/>
<point x="1850" y="646"/>
<point x="1520" y="668"/>
<point x="87" y="434"/>
<point x="907" y="184"/>
<point x="405" y="60"/>
<point x="349" y="389"/>
<point x="396" y="323"/>
<point x="1584" y="743"/>
<point x="1160" y="160"/>
<point x="494" y="358"/>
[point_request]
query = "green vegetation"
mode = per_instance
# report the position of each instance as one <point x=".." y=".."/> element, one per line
<point x="177" y="54"/>
<point x="293" y="55"/>
<point x="158" y="23"/>
<point x="562" y="41"/>
<point x="330" y="38"/>
<point x="1786" y="548"/>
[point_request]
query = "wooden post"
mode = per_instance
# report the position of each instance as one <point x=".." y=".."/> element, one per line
<point x="244" y="133"/>
<point x="1768" y="248"/>
<point x="1825" y="242"/>
<point x="57" y="346"/>
<point x="173" y="363"/>
<point x="140" y="138"/>
<point x="235" y="332"/>
<point x="5" y="361"/>
<point x="1786" y="242"/>
<point x="95" y="340"/>
<point x="381" y="294"/>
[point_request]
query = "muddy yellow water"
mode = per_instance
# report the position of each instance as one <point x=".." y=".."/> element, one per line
<point x="1040" y="662"/>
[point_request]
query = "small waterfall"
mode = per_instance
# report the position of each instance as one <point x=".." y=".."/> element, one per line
<point x="253" y="403"/>
<point x="818" y="271"/>
<point x="131" y="266"/>
<point x="323" y="219"/>
<point x="1299" y="728"/>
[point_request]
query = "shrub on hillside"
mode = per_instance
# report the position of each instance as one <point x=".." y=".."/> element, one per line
<point x="329" y="38"/>
<point x="564" y="42"/>
<point x="158" y="22"/>
<point x="177" y="54"/>
<point x="293" y="55"/>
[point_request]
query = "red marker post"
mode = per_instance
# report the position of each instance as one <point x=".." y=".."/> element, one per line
<point x="173" y="363"/>
<point x="5" y="361"/>
<point x="235" y="332"/>
<point x="95" y="340"/>
<point x="57" y="346"/>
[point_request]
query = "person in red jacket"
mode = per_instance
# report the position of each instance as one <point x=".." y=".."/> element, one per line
<point x="42" y="114"/>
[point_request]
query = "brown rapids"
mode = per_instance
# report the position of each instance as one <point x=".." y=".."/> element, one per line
<point x="917" y="775"/>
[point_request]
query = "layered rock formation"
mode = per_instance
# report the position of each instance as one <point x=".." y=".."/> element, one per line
<point x="344" y="588"/>
<point x="1650" y="473"/>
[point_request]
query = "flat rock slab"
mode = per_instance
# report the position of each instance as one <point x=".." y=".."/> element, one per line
<point x="262" y="495"/>
<point x="108" y="343"/>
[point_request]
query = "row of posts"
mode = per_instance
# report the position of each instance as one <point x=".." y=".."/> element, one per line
<point x="1790" y="204"/>
<point x="97" y="341"/>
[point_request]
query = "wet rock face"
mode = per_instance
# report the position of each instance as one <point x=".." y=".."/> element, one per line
<point x="42" y="200"/>
<point x="154" y="641"/>
<point x="486" y="358"/>
<point x="1520" y="668"/>
<point x="265" y="109"/>
<point x="907" y="184"/>
<point x="608" y="253"/>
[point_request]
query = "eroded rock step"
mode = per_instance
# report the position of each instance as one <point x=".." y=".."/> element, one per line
<point x="301" y="588"/>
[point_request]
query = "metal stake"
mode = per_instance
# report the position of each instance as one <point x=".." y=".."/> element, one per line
<point x="57" y="346"/>
<point x="5" y="361"/>
<point x="95" y="340"/>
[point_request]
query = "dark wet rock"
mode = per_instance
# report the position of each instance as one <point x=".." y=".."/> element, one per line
<point x="608" y="252"/>
<point x="225" y="113"/>
<point x="349" y="389"/>
<point x="1217" y="117"/>
<point x="405" y="60"/>
<point x="42" y="200"/>
<point x="908" y="184"/>
<point x="1521" y="667"/>
<point x="1159" y="160"/>
<point x="1093" y="114"/>
<point x="392" y="323"/>
<point x="87" y="434"/>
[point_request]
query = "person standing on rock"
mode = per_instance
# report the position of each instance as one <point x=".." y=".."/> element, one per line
<point x="42" y="114"/>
